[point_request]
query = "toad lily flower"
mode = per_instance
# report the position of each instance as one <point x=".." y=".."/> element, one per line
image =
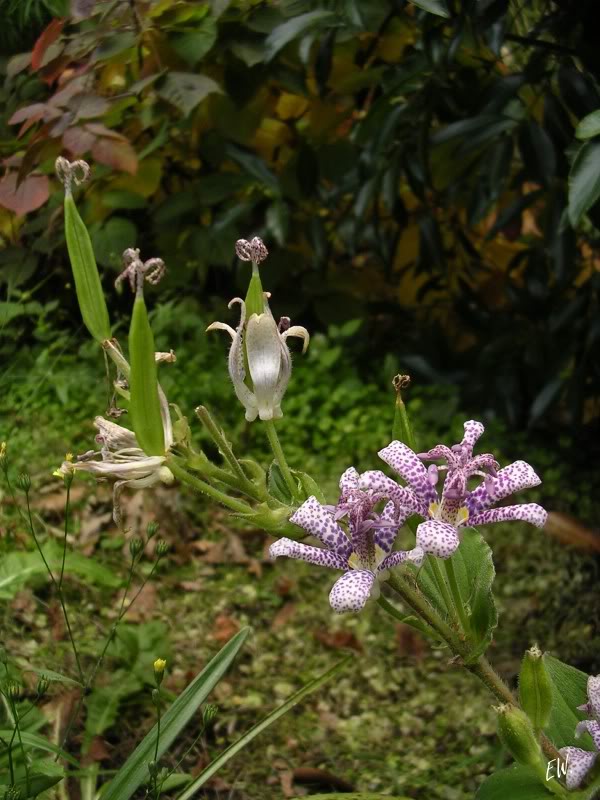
<point x="364" y="555"/>
<point x="579" y="762"/>
<point x="457" y="506"/>
<point x="121" y="458"/>
<point x="260" y="344"/>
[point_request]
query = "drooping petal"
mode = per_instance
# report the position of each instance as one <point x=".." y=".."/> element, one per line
<point x="579" y="763"/>
<point x="408" y="465"/>
<point x="405" y="499"/>
<point x="113" y="436"/>
<point x="237" y="373"/>
<point x="351" y="591"/>
<point x="305" y="552"/>
<point x="349" y="480"/>
<point x="516" y="476"/>
<point x="437" y="538"/>
<point x="485" y="462"/>
<point x="592" y="727"/>
<point x="263" y="350"/>
<point x="319" y="522"/>
<point x="437" y="452"/>
<point x="136" y="468"/>
<point x="527" y="512"/>
<point x="416" y="555"/>
<point x="165" y="416"/>
<point x="473" y="431"/>
<point x="221" y="326"/>
<point x="140" y="483"/>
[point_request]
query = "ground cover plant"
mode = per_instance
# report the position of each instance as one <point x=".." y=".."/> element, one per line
<point x="425" y="178"/>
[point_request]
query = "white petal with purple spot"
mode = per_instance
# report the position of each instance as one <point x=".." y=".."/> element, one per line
<point x="579" y="763"/>
<point x="437" y="538"/>
<point x="410" y="467"/>
<point x="510" y="479"/>
<point x="305" y="552"/>
<point x="527" y="512"/>
<point x="351" y="591"/>
<point x="319" y="522"/>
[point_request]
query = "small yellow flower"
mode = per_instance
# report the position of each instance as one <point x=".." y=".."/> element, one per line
<point x="159" y="665"/>
<point x="2" y="449"/>
<point x="58" y="474"/>
<point x="69" y="457"/>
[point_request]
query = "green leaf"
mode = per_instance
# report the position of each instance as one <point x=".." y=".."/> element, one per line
<point x="516" y="782"/>
<point x="234" y="749"/>
<point x="143" y="383"/>
<point x="277" y="486"/>
<point x="85" y="273"/>
<point x="115" y="236"/>
<point x="292" y="28"/>
<point x="53" y="677"/>
<point x="193" y="46"/>
<point x="38" y="742"/>
<point x="103" y="705"/>
<point x="309" y="485"/>
<point x="135" y="770"/>
<point x="584" y="181"/>
<point x="36" y="783"/>
<point x="433" y="6"/>
<point x="589" y="126"/>
<point x="185" y="90"/>
<point x="569" y="690"/>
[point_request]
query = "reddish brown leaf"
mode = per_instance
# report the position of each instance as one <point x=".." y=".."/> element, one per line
<point x="78" y="141"/>
<point x="321" y="778"/>
<point x="31" y="194"/>
<point x="101" y="130"/>
<point x="98" y="751"/>
<point x="283" y="616"/>
<point x="225" y="627"/>
<point x="35" y="110"/>
<point x="46" y="38"/>
<point x="119" y="155"/>
<point x="571" y="532"/>
<point x="338" y="640"/>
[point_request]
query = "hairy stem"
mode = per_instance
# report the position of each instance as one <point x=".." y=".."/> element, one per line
<point x="456" y="595"/>
<point x="225" y="449"/>
<point x="280" y="457"/>
<point x="204" y="487"/>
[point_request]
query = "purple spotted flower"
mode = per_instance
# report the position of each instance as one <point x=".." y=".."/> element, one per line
<point x="457" y="505"/>
<point x="580" y="762"/>
<point x="364" y="554"/>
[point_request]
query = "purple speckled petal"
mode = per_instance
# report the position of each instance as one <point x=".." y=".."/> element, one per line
<point x="593" y="691"/>
<point x="349" y="480"/>
<point x="319" y="522"/>
<point x="437" y="452"/>
<point x="527" y="512"/>
<point x="405" y="499"/>
<point x="409" y="466"/>
<point x="305" y="552"/>
<point x="351" y="591"/>
<point x="416" y="555"/>
<point x="485" y="462"/>
<point x="592" y="727"/>
<point x="437" y="538"/>
<point x="510" y="479"/>
<point x="579" y="763"/>
<point x="473" y="431"/>
<point x="386" y="536"/>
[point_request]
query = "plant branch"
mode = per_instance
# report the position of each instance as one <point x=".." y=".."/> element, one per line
<point x="280" y="457"/>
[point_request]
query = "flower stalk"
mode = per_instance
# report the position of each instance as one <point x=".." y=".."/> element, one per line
<point x="280" y="458"/>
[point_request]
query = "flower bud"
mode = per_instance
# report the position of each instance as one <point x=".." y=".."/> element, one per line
<point x="535" y="688"/>
<point x="159" y="670"/>
<point x="13" y="690"/>
<point x="42" y="686"/>
<point x="3" y="459"/>
<point x="23" y="482"/>
<point x="209" y="713"/>
<point x="12" y="793"/>
<point x="517" y="735"/>
<point x="156" y="697"/>
<point x="162" y="548"/>
<point x="153" y="768"/>
<point x="136" y="546"/>
<point x="152" y="530"/>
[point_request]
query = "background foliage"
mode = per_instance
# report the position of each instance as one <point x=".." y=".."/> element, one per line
<point x="423" y="172"/>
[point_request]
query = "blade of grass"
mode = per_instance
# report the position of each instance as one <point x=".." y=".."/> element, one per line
<point x="234" y="748"/>
<point x="135" y="770"/>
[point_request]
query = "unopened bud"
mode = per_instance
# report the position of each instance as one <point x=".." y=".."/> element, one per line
<point x="13" y="690"/>
<point x="159" y="670"/>
<point x="162" y="548"/>
<point x="3" y="459"/>
<point x="152" y="530"/>
<point x="23" y="482"/>
<point x="535" y="688"/>
<point x="153" y="768"/>
<point x="517" y="735"/>
<point x="209" y="713"/>
<point x="42" y="686"/>
<point x="156" y="697"/>
<point x="136" y="546"/>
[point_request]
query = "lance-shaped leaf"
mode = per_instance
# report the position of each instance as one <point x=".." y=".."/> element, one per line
<point x="85" y="273"/>
<point x="143" y="382"/>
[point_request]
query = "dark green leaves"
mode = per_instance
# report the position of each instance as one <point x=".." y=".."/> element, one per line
<point x="516" y="782"/>
<point x="589" y="126"/>
<point x="584" y="181"/>
<point x="143" y="383"/>
<point x="186" y="90"/>
<point x="437" y="7"/>
<point x="283" y="34"/>
<point x="569" y="690"/>
<point x="135" y="770"/>
<point x="85" y="273"/>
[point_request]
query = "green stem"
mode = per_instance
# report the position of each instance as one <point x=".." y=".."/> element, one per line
<point x="206" y="488"/>
<point x="441" y="584"/>
<point x="455" y="589"/>
<point x="280" y="457"/>
<point x="18" y="732"/>
<point x="58" y="589"/>
<point x="393" y="612"/>
<point x="64" y="552"/>
<point x="220" y="440"/>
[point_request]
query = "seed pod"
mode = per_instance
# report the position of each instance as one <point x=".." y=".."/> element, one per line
<point x="402" y="429"/>
<point x="535" y="688"/>
<point x="143" y="383"/>
<point x="83" y="263"/>
<point x="516" y="734"/>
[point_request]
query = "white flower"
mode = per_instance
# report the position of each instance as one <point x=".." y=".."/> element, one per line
<point x="262" y="344"/>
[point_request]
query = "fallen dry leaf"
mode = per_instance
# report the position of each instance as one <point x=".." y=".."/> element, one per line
<point x="224" y="628"/>
<point x="98" y="751"/>
<point x="338" y="640"/>
<point x="321" y="778"/>
<point x="283" y="616"/>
